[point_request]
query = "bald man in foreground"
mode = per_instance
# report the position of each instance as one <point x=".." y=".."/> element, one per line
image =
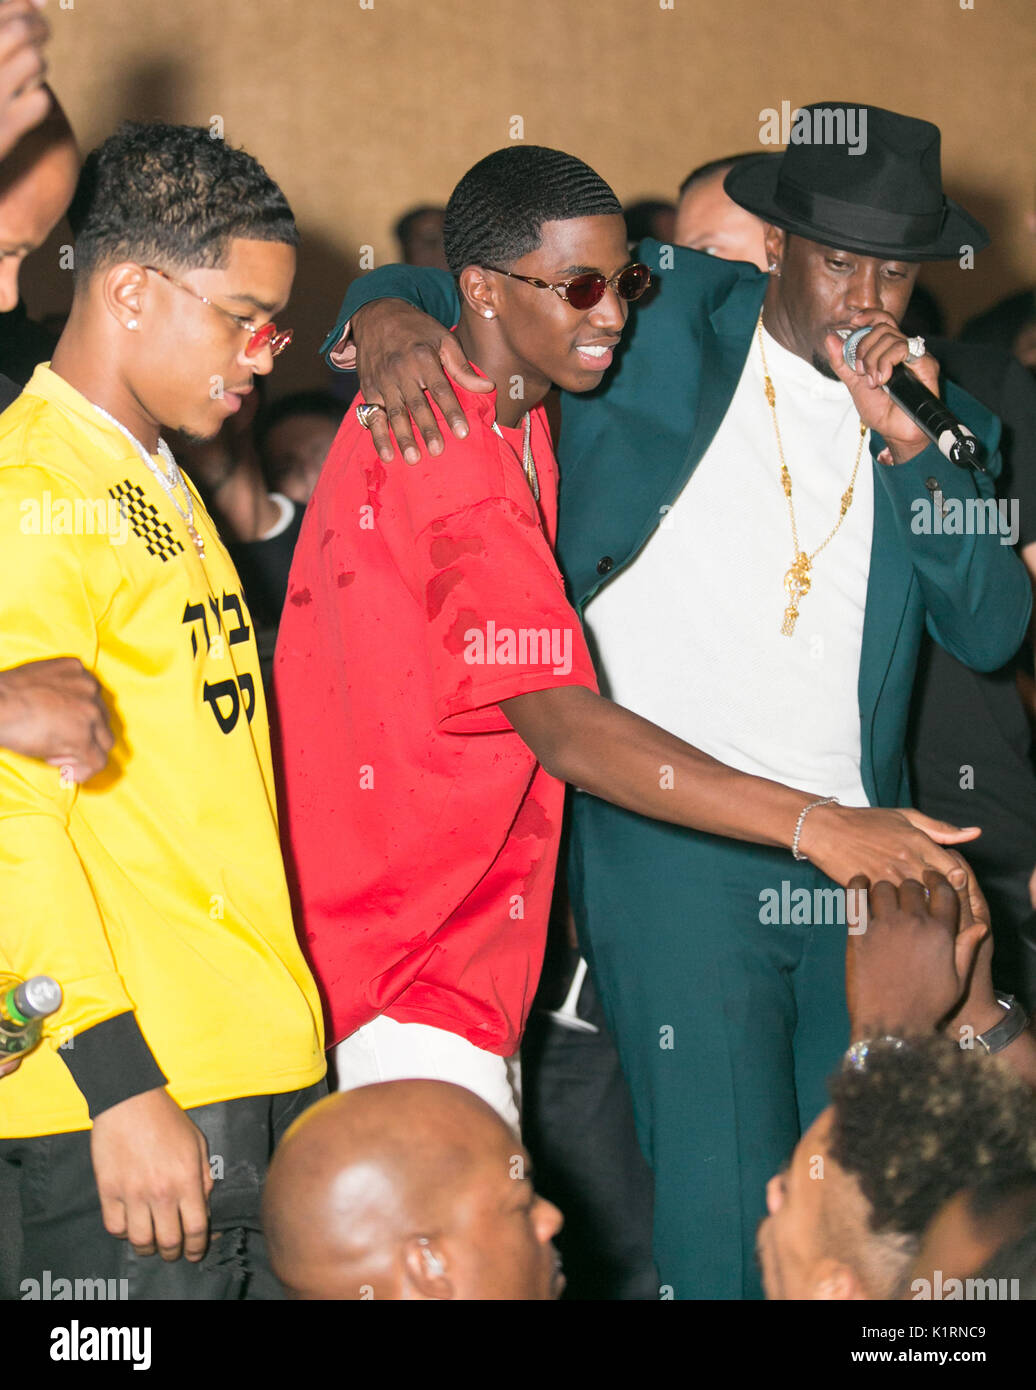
<point x="408" y="1190"/>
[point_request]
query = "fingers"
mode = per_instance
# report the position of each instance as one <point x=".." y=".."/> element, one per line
<point x="103" y="738"/>
<point x="25" y="110"/>
<point x="21" y="26"/>
<point x="380" y="432"/>
<point x="913" y="898"/>
<point x="976" y="906"/>
<point x="944" y="903"/>
<point x="406" y="405"/>
<point x="839" y="366"/>
<point x="883" y="899"/>
<point x="451" y="354"/>
<point x="22" y="67"/>
<point x="194" y="1218"/>
<point x="113" y="1213"/>
<point x="879" y="352"/>
<point x="87" y="753"/>
<point x="968" y="942"/>
<point x="399" y="418"/>
<point x="955" y="837"/>
<point x="949" y="863"/>
<point x="8" y="1067"/>
<point x="941" y="831"/>
<point x="169" y="1236"/>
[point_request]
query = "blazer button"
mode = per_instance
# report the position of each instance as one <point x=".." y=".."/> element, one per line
<point x="605" y="564"/>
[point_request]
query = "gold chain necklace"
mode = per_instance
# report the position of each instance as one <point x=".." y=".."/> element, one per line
<point x="797" y="581"/>
<point x="528" y="463"/>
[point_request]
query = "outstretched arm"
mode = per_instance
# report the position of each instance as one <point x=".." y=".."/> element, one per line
<point x="606" y="750"/>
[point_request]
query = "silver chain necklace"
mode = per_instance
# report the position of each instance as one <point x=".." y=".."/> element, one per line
<point x="169" y="483"/>
<point x="527" y="460"/>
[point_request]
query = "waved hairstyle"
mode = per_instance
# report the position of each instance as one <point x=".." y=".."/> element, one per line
<point x="171" y="196"/>
<point x="495" y="213"/>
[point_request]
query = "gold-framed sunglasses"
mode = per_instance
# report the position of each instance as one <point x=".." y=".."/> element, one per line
<point x="262" y="335"/>
<point x="586" y="290"/>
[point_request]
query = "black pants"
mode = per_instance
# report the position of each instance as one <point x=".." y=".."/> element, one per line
<point x="63" y="1235"/>
<point x="577" y="1121"/>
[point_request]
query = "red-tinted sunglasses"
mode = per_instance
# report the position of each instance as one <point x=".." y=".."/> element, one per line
<point x="584" y="291"/>
<point x="266" y="335"/>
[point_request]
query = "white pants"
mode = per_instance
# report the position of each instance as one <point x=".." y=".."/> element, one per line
<point x="384" y="1050"/>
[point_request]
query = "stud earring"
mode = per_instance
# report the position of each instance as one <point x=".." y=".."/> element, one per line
<point x="133" y="325"/>
<point x="773" y="268"/>
<point x="487" y="313"/>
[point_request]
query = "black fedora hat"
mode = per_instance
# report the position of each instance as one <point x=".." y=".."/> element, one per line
<point x="879" y="193"/>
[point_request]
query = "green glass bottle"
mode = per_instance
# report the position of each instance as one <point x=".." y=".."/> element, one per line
<point x="24" y="1004"/>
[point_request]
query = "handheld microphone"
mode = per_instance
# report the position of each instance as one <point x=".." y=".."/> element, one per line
<point x="927" y="411"/>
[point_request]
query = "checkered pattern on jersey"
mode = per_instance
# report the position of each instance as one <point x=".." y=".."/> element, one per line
<point x="144" y="520"/>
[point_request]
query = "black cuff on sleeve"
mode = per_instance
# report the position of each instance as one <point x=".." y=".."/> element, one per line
<point x="111" y="1062"/>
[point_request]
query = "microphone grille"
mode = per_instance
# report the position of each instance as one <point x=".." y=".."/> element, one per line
<point x="851" y="343"/>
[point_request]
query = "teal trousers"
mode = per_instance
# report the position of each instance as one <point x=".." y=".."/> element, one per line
<point x="723" y="983"/>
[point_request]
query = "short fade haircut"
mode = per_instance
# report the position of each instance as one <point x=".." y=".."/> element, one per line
<point x="495" y="213"/>
<point x="714" y="166"/>
<point x="172" y="196"/>
<point x="922" y="1121"/>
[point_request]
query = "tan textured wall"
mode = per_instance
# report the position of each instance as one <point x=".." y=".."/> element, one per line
<point x="360" y="110"/>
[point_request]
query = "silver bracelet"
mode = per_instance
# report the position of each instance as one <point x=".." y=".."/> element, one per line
<point x="824" y="801"/>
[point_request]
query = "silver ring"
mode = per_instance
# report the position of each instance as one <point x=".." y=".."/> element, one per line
<point x="915" y="349"/>
<point x="364" y="413"/>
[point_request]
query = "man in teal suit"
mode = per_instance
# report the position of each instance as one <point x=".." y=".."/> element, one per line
<point x="749" y="582"/>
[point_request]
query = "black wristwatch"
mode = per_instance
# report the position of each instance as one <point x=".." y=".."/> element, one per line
<point x="1012" y="1025"/>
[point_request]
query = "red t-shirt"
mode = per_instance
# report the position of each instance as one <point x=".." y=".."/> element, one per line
<point x="420" y="833"/>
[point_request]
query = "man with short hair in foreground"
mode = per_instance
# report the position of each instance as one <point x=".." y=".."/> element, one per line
<point x="409" y="1190"/>
<point x="912" y="1121"/>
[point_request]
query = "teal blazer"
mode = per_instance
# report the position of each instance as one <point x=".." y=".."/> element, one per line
<point x="628" y="447"/>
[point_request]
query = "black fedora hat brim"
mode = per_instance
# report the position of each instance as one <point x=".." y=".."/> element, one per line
<point x="753" y="185"/>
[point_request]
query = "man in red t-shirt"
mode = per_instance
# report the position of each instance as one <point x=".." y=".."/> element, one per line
<point x="432" y="683"/>
<point x="421" y="830"/>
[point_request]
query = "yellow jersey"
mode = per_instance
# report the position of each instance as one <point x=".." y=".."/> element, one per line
<point x="157" y="887"/>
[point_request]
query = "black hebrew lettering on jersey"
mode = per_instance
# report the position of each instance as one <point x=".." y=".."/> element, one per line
<point x="144" y="521"/>
<point x="226" y="698"/>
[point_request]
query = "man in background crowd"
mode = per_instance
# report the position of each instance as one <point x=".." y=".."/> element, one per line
<point x="708" y="219"/>
<point x="419" y="233"/>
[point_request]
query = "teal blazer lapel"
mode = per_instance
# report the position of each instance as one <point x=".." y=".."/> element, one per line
<point x="627" y="449"/>
<point x="888" y="590"/>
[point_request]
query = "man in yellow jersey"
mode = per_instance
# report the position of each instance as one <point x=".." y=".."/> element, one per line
<point x="190" y="1035"/>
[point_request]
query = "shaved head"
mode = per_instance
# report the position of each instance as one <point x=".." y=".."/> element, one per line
<point x="407" y="1190"/>
<point x="37" y="180"/>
